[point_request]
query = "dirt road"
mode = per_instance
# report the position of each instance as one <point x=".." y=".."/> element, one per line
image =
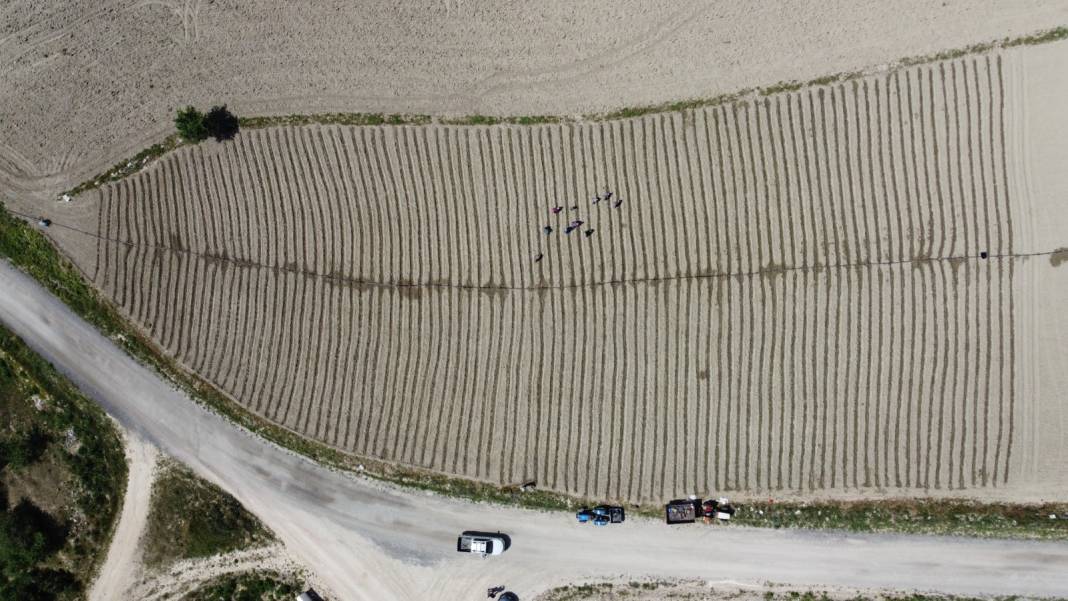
<point x="372" y="542"/>
<point x="123" y="563"/>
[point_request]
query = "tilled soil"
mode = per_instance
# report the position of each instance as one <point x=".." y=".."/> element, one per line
<point x="810" y="291"/>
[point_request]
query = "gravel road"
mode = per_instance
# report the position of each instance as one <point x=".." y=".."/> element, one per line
<point x="368" y="541"/>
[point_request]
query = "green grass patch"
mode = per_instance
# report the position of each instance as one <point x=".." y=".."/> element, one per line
<point x="919" y="516"/>
<point x="494" y="120"/>
<point x="1043" y="37"/>
<point x="62" y="477"/>
<point x="189" y="517"/>
<point x="248" y="586"/>
<point x="650" y="590"/>
<point x="334" y="119"/>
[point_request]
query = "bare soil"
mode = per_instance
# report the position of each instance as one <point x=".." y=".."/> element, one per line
<point x="123" y="565"/>
<point x="89" y="82"/>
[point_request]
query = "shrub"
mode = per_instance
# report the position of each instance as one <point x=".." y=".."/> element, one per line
<point x="221" y="123"/>
<point x="191" y="124"/>
<point x="24" y="451"/>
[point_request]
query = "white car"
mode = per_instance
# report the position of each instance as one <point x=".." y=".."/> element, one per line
<point x="482" y="543"/>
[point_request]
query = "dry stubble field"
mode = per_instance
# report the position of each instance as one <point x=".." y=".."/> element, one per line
<point x="791" y="297"/>
<point x="88" y="82"/>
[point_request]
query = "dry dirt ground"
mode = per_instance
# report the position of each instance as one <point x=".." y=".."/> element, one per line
<point x="123" y="575"/>
<point x="188" y="575"/>
<point x="792" y="298"/>
<point x="88" y="82"/>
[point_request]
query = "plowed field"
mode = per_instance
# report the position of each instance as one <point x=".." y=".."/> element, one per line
<point x="808" y="291"/>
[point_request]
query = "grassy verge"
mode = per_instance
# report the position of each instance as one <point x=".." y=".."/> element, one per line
<point x="919" y="516"/>
<point x="62" y="477"/>
<point x="247" y="586"/>
<point x="335" y="119"/>
<point x="948" y="517"/>
<point x="655" y="590"/>
<point x="495" y="120"/>
<point x="190" y="517"/>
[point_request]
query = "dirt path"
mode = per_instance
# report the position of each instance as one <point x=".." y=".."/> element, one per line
<point x="374" y="542"/>
<point x="187" y="575"/>
<point x="122" y="567"/>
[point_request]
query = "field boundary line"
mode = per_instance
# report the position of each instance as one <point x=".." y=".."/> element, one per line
<point x="769" y="270"/>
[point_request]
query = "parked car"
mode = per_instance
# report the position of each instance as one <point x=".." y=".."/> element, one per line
<point x="481" y="543"/>
<point x="602" y="515"/>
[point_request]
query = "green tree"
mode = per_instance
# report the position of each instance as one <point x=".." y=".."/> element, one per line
<point x="28" y="537"/>
<point x="25" y="450"/>
<point x="190" y="124"/>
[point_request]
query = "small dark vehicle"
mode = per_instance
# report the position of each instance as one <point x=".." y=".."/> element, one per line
<point x="682" y="511"/>
<point x="602" y="515"/>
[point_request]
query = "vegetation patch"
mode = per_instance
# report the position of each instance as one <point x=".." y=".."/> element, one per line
<point x="62" y="476"/>
<point x="335" y="119"/>
<point x="190" y="517"/>
<point x="248" y="586"/>
<point x="494" y="120"/>
<point x="920" y="516"/>
<point x="657" y="590"/>
<point x="578" y="591"/>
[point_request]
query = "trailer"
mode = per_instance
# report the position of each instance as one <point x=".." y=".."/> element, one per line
<point x="682" y="511"/>
<point x="719" y="509"/>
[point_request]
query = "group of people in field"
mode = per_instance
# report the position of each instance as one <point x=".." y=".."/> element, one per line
<point x="576" y="224"/>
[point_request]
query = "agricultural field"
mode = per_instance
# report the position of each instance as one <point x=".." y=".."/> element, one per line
<point x="809" y="291"/>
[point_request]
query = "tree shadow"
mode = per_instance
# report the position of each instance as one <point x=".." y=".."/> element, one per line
<point x="221" y="123"/>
